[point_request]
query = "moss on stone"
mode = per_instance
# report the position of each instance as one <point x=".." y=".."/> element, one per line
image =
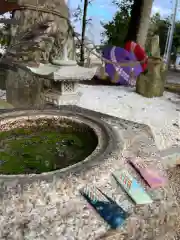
<point x="5" y="105"/>
<point x="36" y="151"/>
<point x="152" y="83"/>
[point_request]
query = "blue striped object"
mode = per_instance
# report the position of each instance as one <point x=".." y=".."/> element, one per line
<point x="132" y="187"/>
<point x="108" y="209"/>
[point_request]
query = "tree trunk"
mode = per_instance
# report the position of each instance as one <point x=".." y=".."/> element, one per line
<point x="8" y="6"/>
<point x="144" y="22"/>
<point x="134" y="21"/>
<point x="139" y="22"/>
<point x="83" y="32"/>
<point x="24" y="89"/>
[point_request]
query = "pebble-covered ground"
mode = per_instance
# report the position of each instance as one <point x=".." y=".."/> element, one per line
<point x="43" y="210"/>
<point x="161" y="114"/>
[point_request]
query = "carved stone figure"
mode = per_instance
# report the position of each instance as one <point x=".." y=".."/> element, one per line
<point x="154" y="46"/>
<point x="152" y="83"/>
<point x="23" y="88"/>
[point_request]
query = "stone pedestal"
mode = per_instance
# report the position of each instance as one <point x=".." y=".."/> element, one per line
<point x="54" y="97"/>
<point x="151" y="84"/>
<point x="24" y="90"/>
<point x="65" y="83"/>
<point x="63" y="77"/>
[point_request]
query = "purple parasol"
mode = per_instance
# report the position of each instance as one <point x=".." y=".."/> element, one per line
<point x="117" y="54"/>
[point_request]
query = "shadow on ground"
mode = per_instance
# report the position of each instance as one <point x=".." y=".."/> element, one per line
<point x="97" y="81"/>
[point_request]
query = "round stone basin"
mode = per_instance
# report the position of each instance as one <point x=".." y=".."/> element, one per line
<point x="40" y="143"/>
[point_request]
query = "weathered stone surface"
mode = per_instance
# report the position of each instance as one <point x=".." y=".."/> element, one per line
<point x="5" y="105"/>
<point x="44" y="70"/>
<point x="74" y="73"/>
<point x="153" y="46"/>
<point x="57" y="209"/>
<point x="66" y="63"/>
<point x="152" y="83"/>
<point x="58" y="98"/>
<point x="25" y="89"/>
<point x="62" y="81"/>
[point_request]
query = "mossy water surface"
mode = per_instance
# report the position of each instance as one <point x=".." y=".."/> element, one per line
<point x="43" y="149"/>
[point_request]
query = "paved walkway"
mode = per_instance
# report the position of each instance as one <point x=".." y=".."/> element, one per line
<point x="173" y="77"/>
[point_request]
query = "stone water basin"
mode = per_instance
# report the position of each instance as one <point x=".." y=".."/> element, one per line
<point x="48" y="142"/>
<point x="41" y="143"/>
<point x="58" y="205"/>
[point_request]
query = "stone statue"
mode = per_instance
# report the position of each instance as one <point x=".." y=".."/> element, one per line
<point x="154" y="46"/>
<point x="23" y="88"/>
<point x="151" y="84"/>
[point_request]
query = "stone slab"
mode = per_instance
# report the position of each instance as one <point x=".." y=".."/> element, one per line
<point x="61" y="210"/>
<point x="64" y="62"/>
<point x="44" y="69"/>
<point x="74" y="73"/>
<point x="64" y="73"/>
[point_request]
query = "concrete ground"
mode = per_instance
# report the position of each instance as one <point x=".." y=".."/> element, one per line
<point x="173" y="76"/>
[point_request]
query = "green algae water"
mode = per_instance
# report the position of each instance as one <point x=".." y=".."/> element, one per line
<point x="38" y="149"/>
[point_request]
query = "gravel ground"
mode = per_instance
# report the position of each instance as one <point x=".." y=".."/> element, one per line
<point x="161" y="114"/>
<point x="2" y="95"/>
<point x="56" y="211"/>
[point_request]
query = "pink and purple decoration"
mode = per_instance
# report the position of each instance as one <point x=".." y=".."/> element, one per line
<point x="120" y="55"/>
<point x="150" y="175"/>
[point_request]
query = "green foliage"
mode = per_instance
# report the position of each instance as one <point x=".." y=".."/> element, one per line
<point x="160" y="27"/>
<point x="176" y="39"/>
<point x="115" y="31"/>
